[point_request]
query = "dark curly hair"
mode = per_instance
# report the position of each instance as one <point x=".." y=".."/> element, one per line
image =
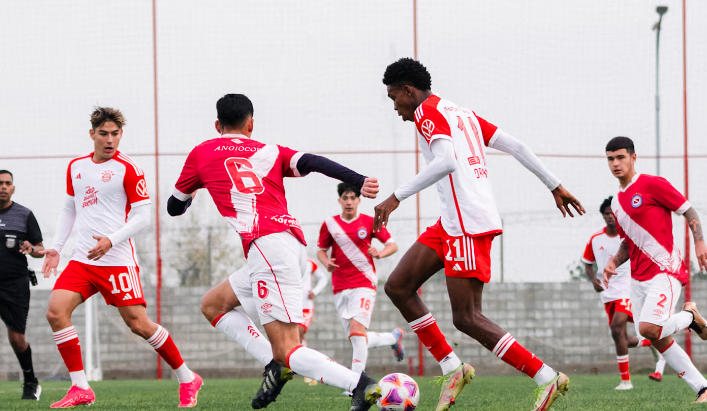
<point x="407" y="71"/>
<point x="605" y="204"/>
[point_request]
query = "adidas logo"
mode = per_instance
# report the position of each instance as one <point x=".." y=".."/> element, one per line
<point x="601" y="248"/>
<point x="127" y="297"/>
<point x="456" y="267"/>
<point x="78" y="177"/>
<point x="237" y="141"/>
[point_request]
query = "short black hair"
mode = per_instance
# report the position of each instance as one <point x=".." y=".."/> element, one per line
<point x="617" y="143"/>
<point x="410" y="72"/>
<point x="605" y="204"/>
<point x="233" y="110"/>
<point x="7" y="172"/>
<point x="345" y="187"/>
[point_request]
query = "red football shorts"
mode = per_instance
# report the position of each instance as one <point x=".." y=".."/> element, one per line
<point x="120" y="286"/>
<point x="464" y="256"/>
<point x="618" y="306"/>
<point x="308" y="315"/>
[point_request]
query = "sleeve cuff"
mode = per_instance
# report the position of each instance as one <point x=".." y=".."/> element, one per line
<point x="293" y="163"/>
<point x="323" y="249"/>
<point x="180" y="196"/>
<point x="390" y="241"/>
<point x="139" y="203"/>
<point x="683" y="208"/>
<point x="585" y="261"/>
<point x="439" y="136"/>
<point x="494" y="137"/>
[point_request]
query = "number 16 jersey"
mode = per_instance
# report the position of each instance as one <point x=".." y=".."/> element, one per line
<point x="245" y="179"/>
<point x="466" y="199"/>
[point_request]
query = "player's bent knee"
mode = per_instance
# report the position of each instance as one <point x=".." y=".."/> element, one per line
<point x="649" y="331"/>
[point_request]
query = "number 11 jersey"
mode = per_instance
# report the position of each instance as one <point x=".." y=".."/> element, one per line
<point x="466" y="198"/>
<point x="245" y="179"/>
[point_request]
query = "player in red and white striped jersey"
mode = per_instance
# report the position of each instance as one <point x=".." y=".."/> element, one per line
<point x="642" y="211"/>
<point x="107" y="201"/>
<point x="353" y="274"/>
<point x="602" y="246"/>
<point x="453" y="141"/>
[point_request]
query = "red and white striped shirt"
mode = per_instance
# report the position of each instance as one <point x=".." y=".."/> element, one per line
<point x="642" y="212"/>
<point x="104" y="194"/>
<point x="350" y="241"/>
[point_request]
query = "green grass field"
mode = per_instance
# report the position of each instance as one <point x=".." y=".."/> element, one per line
<point x="594" y="393"/>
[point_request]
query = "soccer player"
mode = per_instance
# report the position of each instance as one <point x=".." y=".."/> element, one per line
<point x="642" y="211"/>
<point x="453" y="141"/>
<point x="107" y="200"/>
<point x="353" y="274"/>
<point x="617" y="297"/>
<point x="308" y="296"/>
<point x="245" y="180"/>
<point x="20" y="236"/>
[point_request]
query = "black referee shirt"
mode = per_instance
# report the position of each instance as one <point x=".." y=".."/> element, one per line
<point x="17" y="224"/>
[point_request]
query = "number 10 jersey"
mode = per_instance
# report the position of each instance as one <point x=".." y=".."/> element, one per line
<point x="245" y="179"/>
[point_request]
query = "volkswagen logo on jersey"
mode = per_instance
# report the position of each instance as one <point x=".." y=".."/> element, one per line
<point x="141" y="188"/>
<point x="362" y="233"/>
<point x="427" y="128"/>
<point x="636" y="201"/>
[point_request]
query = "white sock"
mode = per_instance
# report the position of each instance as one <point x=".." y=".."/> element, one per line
<point x="239" y="327"/>
<point x="678" y="360"/>
<point x="79" y="379"/>
<point x="450" y="363"/>
<point x="656" y="353"/>
<point x="376" y="340"/>
<point x="544" y="375"/>
<point x="184" y="374"/>
<point x="660" y="365"/>
<point x="319" y="367"/>
<point x="675" y="323"/>
<point x="360" y="353"/>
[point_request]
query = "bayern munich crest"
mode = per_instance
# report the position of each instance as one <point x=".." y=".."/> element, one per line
<point x="362" y="233"/>
<point x="636" y="201"/>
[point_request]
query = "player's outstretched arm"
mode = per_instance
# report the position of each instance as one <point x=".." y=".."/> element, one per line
<point x="308" y="163"/>
<point x="138" y="220"/>
<point x="589" y="270"/>
<point x="178" y="203"/>
<point x="443" y="164"/>
<point x="615" y="261"/>
<point x="693" y="221"/>
<point x="506" y="143"/>
<point x="67" y="216"/>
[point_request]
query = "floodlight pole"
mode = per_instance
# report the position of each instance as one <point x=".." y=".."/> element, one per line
<point x="660" y="10"/>
<point x="688" y="286"/>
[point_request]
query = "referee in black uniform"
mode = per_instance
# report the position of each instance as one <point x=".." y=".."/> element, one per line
<point x="19" y="236"/>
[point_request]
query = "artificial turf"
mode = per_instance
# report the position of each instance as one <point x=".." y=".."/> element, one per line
<point x="587" y="392"/>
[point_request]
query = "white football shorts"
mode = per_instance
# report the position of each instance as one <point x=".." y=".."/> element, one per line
<point x="355" y="304"/>
<point x="654" y="301"/>
<point x="271" y="282"/>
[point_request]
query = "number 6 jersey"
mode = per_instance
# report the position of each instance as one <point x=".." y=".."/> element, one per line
<point x="466" y="199"/>
<point x="245" y="179"/>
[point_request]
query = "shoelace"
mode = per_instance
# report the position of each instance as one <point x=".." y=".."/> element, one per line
<point x="439" y="381"/>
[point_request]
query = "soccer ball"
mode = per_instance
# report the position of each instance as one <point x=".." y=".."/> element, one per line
<point x="399" y="392"/>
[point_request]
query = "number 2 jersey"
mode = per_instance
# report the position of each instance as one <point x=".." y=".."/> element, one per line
<point x="104" y="193"/>
<point x="466" y="198"/>
<point x="245" y="179"/>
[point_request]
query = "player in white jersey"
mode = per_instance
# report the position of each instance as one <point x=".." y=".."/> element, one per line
<point x="616" y="298"/>
<point x="245" y="179"/>
<point x="308" y="296"/>
<point x="108" y="203"/>
<point x="453" y="141"/>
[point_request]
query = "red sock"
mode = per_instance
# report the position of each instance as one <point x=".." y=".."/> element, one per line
<point x="644" y="343"/>
<point x="623" y="367"/>
<point x="431" y="336"/>
<point x="68" y="343"/>
<point x="516" y="355"/>
<point x="166" y="348"/>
